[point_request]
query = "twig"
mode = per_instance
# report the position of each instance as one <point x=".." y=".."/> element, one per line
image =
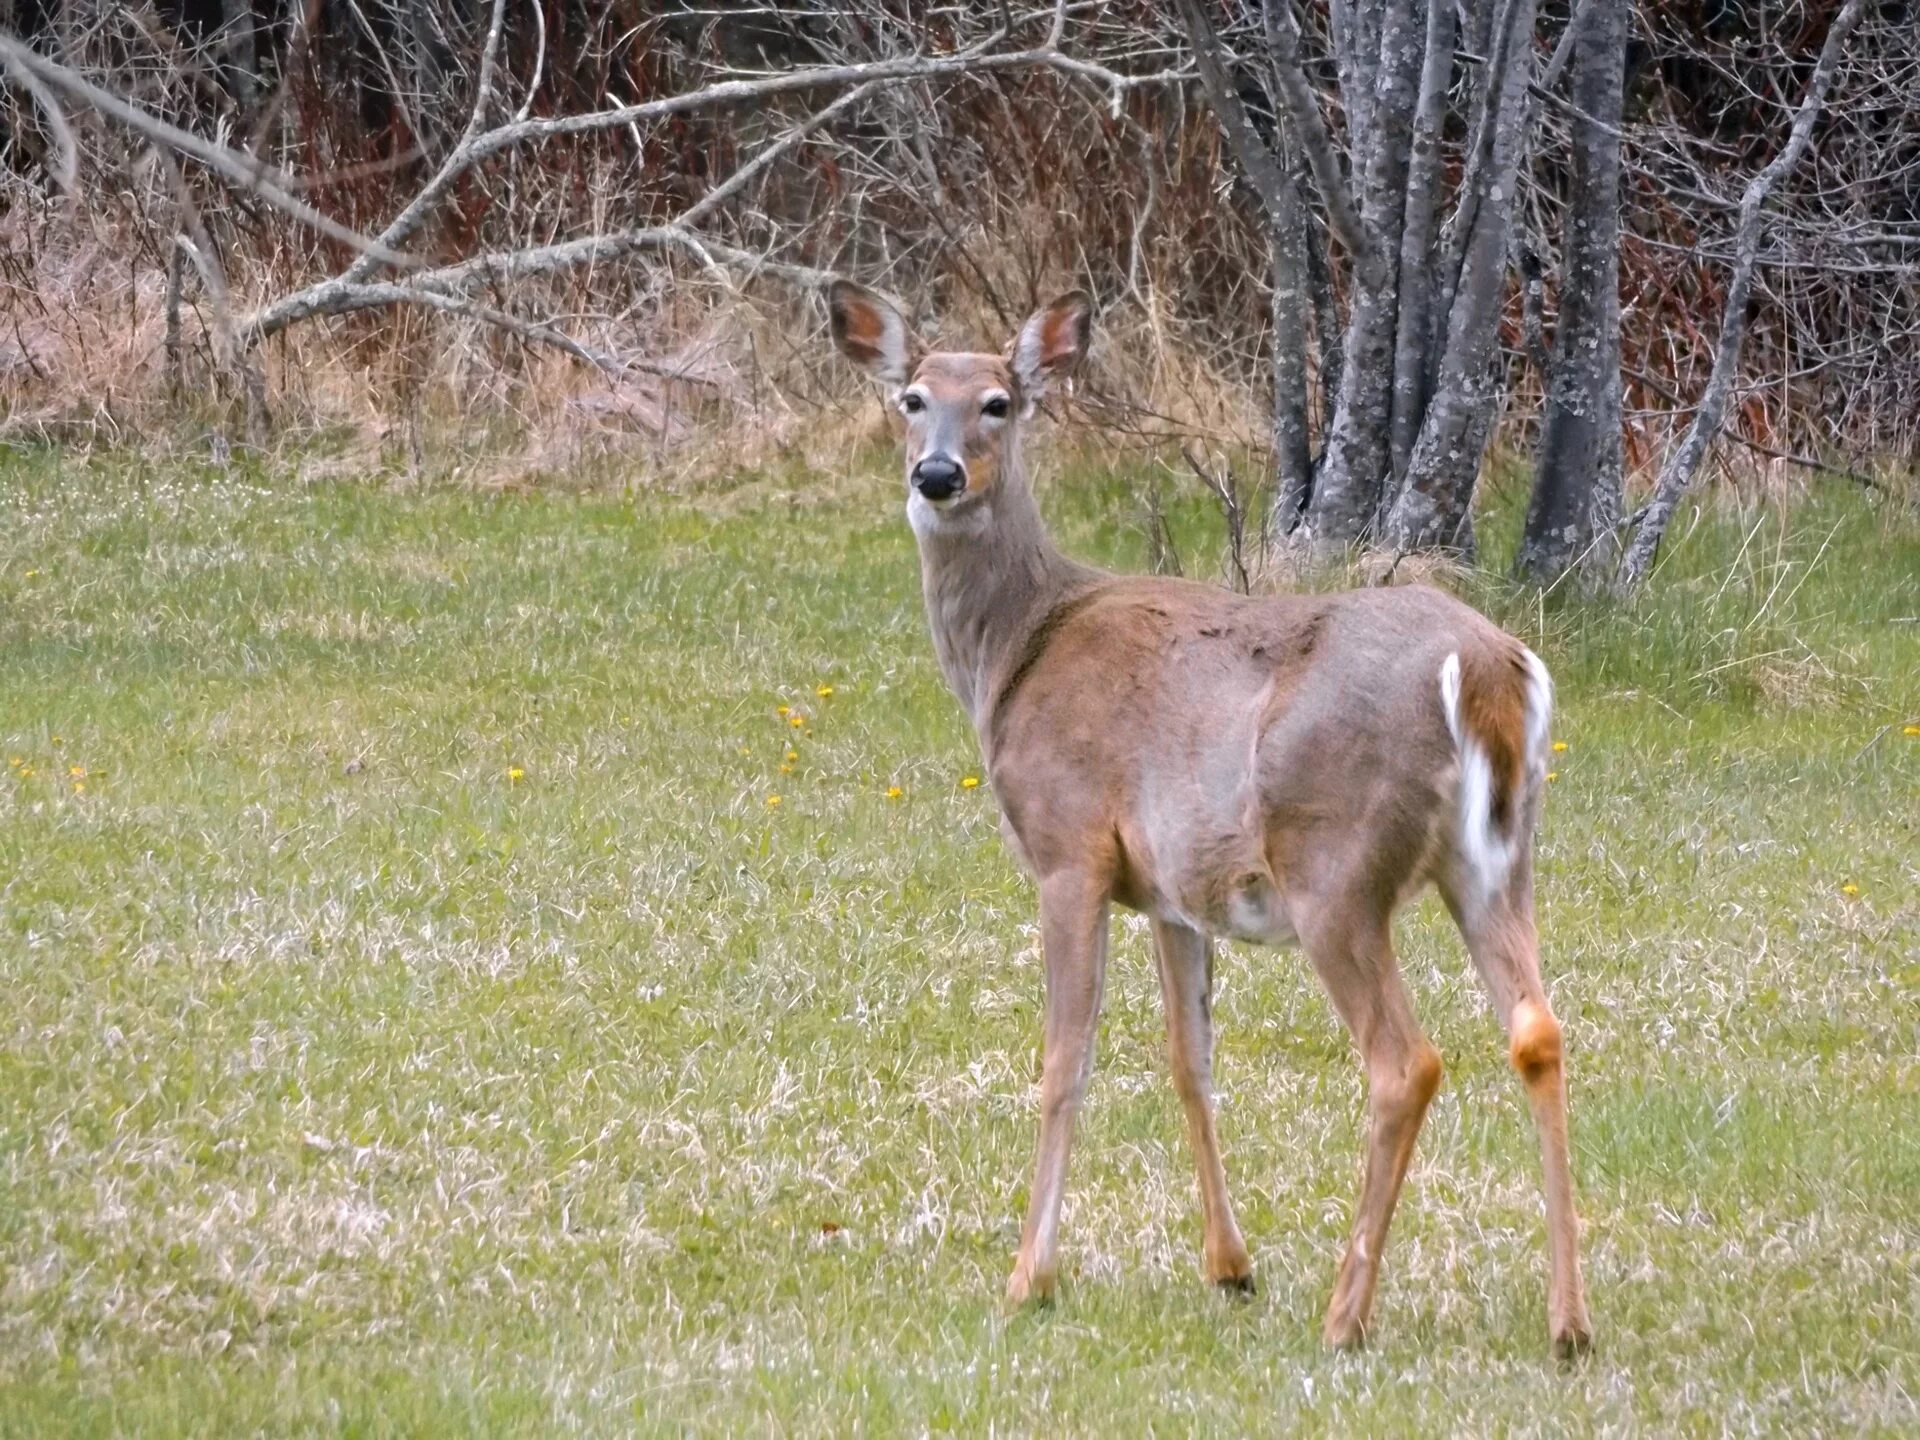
<point x="248" y="175"/>
<point x="1685" y="462"/>
<point x="66" y="169"/>
<point x="1228" y="494"/>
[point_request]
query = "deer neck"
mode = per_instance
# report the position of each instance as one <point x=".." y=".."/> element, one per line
<point x="991" y="575"/>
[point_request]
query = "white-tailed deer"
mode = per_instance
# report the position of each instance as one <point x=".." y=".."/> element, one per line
<point x="1290" y="769"/>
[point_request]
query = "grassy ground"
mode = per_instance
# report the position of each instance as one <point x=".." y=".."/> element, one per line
<point x="420" y="1016"/>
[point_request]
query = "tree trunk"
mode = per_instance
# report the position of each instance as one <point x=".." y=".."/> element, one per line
<point x="1416" y="242"/>
<point x="1576" y="488"/>
<point x="1292" y="451"/>
<point x="239" y="41"/>
<point x="1326" y="327"/>
<point x="1270" y="177"/>
<point x="1346" y="494"/>
<point x="1478" y="35"/>
<point x="1432" y="511"/>
<point x="1685" y="461"/>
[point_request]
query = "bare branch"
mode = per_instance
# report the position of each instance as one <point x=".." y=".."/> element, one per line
<point x="1684" y="463"/>
<point x="66" y="170"/>
<point x="1261" y="165"/>
<point x="250" y="176"/>
<point x="1563" y="51"/>
<point x="1303" y="109"/>
<point x="478" y="147"/>
<point x="376" y="295"/>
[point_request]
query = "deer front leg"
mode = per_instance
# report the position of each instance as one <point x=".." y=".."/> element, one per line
<point x="1073" y="937"/>
<point x="1186" y="985"/>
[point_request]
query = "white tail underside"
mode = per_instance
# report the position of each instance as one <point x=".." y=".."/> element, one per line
<point x="1485" y="851"/>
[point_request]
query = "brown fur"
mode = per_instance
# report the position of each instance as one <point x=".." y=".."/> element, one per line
<point x="1271" y="769"/>
<point x="1493" y="707"/>
<point x="1536" y="1047"/>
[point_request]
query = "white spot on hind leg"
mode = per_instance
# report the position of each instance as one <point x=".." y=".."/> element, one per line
<point x="1256" y="912"/>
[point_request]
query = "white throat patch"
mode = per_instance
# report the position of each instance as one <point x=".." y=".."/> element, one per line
<point x="955" y="518"/>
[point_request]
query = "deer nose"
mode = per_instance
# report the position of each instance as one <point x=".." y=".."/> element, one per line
<point x="938" y="478"/>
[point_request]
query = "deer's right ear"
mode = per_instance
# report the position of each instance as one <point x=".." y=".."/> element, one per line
<point x="870" y="332"/>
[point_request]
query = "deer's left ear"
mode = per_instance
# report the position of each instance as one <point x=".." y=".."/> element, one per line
<point x="1050" y="344"/>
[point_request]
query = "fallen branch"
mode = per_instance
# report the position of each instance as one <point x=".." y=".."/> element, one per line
<point x="248" y="174"/>
<point x="348" y="291"/>
<point x="441" y="287"/>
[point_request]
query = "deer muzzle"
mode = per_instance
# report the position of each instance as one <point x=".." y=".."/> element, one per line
<point x="938" y="478"/>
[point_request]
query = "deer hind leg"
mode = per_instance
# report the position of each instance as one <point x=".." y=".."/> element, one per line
<point x="1357" y="966"/>
<point x="1073" y="937"/>
<point x="1186" y="985"/>
<point x="1500" y="934"/>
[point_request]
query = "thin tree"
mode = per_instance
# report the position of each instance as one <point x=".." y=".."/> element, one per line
<point x="1418" y="390"/>
<point x="1575" y="508"/>
<point x="1684" y="463"/>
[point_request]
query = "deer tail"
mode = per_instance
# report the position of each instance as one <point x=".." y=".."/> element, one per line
<point x="1498" y="701"/>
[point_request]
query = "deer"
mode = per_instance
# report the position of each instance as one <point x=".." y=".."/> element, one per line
<point x="1286" y="770"/>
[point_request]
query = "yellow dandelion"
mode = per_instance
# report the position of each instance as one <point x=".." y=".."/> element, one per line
<point x="793" y="754"/>
<point x="782" y="709"/>
<point x="823" y="691"/>
<point x="79" y="787"/>
<point x="796" y="721"/>
<point x="970" y="782"/>
<point x="894" y="792"/>
<point x="16" y="761"/>
<point x="78" y="772"/>
<point x="26" y="772"/>
<point x="773" y="802"/>
<point x="31" y="573"/>
<point x="1553" y="774"/>
<point x="786" y="769"/>
<point x="1911" y="730"/>
<point x="1849" y="888"/>
<point x="515" y="774"/>
<point x="1559" y="747"/>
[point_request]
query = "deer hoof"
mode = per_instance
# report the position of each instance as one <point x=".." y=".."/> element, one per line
<point x="1232" y="1271"/>
<point x="1571" y="1339"/>
<point x="1343" y="1332"/>
<point x="1026" y="1289"/>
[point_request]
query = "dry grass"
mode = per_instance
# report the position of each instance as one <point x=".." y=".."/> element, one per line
<point x="350" y="1082"/>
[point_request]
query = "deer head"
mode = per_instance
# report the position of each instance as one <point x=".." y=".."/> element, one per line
<point x="962" y="410"/>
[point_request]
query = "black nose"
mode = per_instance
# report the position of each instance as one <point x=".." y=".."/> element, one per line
<point x="939" y="479"/>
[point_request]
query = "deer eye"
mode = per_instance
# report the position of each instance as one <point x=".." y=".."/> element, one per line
<point x="912" y="404"/>
<point x="997" y="407"/>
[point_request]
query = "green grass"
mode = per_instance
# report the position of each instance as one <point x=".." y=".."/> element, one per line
<point x="349" y="1083"/>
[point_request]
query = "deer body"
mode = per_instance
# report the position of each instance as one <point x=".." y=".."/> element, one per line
<point x="1279" y="770"/>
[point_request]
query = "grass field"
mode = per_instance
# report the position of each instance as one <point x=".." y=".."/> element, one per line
<point x="420" y="1017"/>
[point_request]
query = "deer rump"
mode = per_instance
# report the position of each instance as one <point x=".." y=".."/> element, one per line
<point x="1361" y="744"/>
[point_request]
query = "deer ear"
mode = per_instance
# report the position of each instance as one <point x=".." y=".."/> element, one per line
<point x="869" y="332"/>
<point x="1050" y="344"/>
